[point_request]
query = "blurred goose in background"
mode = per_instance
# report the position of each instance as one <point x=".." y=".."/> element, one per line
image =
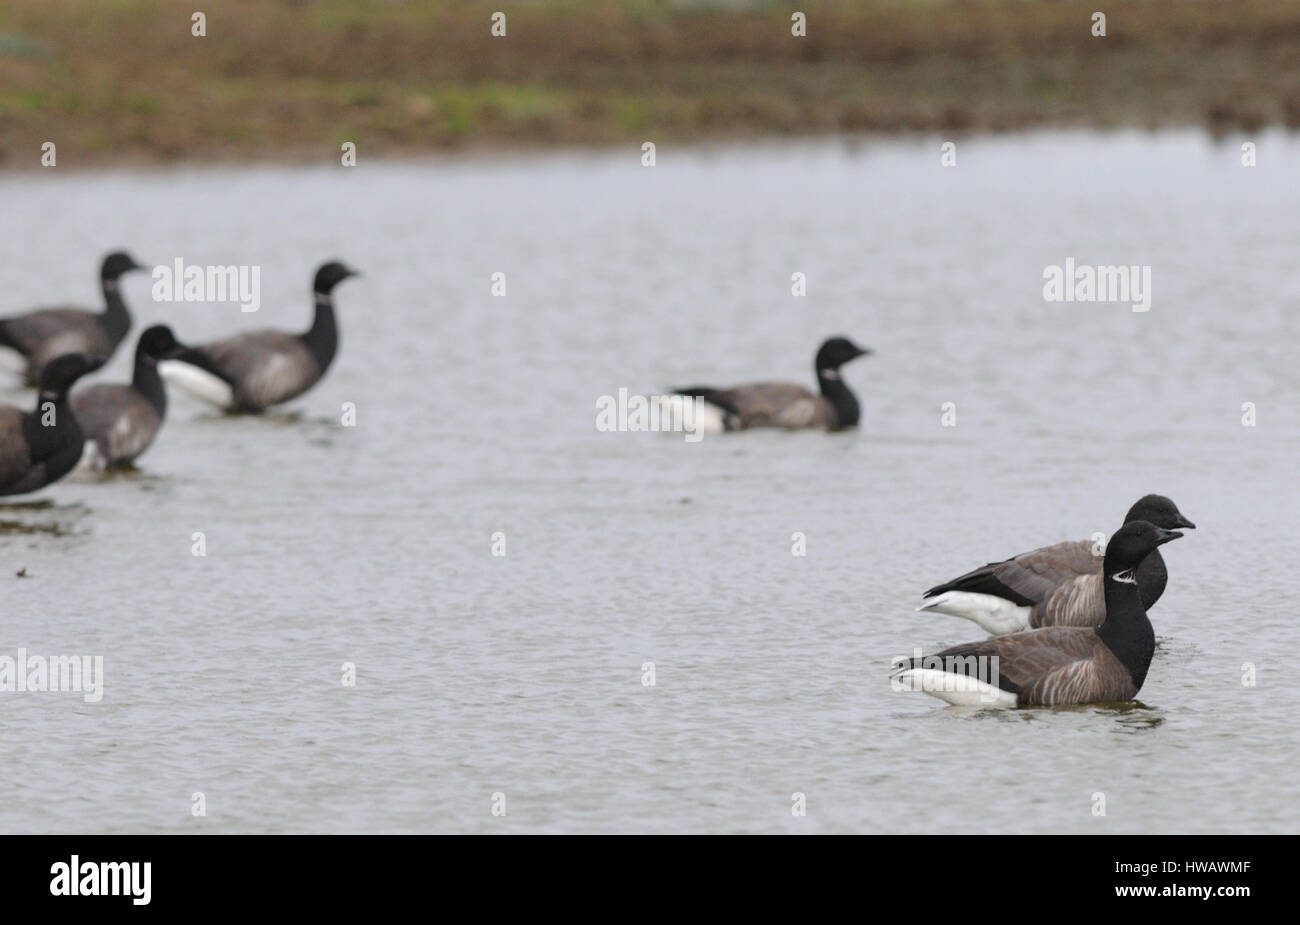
<point x="250" y="372"/>
<point x="786" y="404"/>
<point x="1057" y="585"/>
<point x="121" y="421"/>
<point x="1056" y="664"/>
<point x="29" y="342"/>
<point x="42" y="446"/>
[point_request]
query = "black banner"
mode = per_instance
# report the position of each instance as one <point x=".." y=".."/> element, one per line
<point x="332" y="873"/>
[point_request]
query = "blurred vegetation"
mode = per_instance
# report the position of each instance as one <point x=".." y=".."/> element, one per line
<point x="108" y="80"/>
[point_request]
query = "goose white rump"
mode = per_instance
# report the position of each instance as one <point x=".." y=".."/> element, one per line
<point x="994" y="615"/>
<point x="957" y="689"/>
<point x="198" y="382"/>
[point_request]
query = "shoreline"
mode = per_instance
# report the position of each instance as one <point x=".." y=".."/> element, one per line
<point x="486" y="154"/>
<point x="501" y="149"/>
<point x="127" y="83"/>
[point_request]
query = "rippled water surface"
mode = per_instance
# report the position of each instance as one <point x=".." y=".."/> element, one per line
<point x="522" y="674"/>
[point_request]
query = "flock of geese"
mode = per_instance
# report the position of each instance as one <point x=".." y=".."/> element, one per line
<point x="1069" y="622"/>
<point x="110" y="425"/>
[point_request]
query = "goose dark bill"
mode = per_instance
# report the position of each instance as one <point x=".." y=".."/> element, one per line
<point x="786" y="404"/>
<point x="1059" y="664"/>
<point x="1058" y="585"/>
<point x="252" y="371"/>
<point x="29" y="342"/>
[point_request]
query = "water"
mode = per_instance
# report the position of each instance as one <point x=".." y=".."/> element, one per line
<point x="521" y="674"/>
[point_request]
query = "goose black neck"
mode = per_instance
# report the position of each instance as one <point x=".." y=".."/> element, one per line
<point x="840" y="396"/>
<point x="148" y="382"/>
<point x="1152" y="577"/>
<point x="116" y="317"/>
<point x="51" y="426"/>
<point x="323" y="337"/>
<point x="1126" y="630"/>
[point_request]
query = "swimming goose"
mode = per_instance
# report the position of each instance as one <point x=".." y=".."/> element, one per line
<point x="252" y="371"/>
<point x="786" y="404"/>
<point x="28" y="342"/>
<point x="121" y="421"/>
<point x="1056" y="664"/>
<point x="42" y="446"/>
<point x="1053" y="586"/>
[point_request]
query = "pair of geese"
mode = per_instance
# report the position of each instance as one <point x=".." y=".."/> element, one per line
<point x="1068" y="625"/>
<point x="110" y="425"/>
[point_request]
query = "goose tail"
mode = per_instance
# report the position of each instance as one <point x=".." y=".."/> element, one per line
<point x="995" y="615"/>
<point x="186" y="369"/>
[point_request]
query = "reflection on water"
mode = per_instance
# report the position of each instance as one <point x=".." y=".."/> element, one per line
<point x="1135" y="716"/>
<point x="1129" y="717"/>
<point x="522" y="673"/>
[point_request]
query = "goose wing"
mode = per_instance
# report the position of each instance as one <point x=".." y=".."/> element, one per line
<point x="1055" y="665"/>
<point x="1079" y="601"/>
<point x="1029" y="578"/>
<point x="772" y="404"/>
<point x="263" y="367"/>
<point x="118" y="418"/>
<point x="74" y="326"/>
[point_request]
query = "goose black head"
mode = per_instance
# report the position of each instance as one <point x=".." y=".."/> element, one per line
<point x="1132" y="543"/>
<point x="330" y="275"/>
<point x="837" y="351"/>
<point x="61" y="372"/>
<point x="157" y="342"/>
<point x="117" y="263"/>
<point x="1159" y="510"/>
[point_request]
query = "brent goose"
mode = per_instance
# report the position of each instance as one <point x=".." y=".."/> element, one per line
<point x="1053" y="586"/>
<point x="42" y="446"/>
<point x="1056" y="664"/>
<point x="787" y="404"/>
<point x="29" y="342"/>
<point x="121" y="421"/>
<point x="252" y="371"/>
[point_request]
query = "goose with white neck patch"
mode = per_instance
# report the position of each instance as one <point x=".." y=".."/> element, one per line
<point x="43" y="445"/>
<point x="1057" y="664"/>
<point x="786" y="404"/>
<point x="29" y="342"/>
<point x="252" y="371"/>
